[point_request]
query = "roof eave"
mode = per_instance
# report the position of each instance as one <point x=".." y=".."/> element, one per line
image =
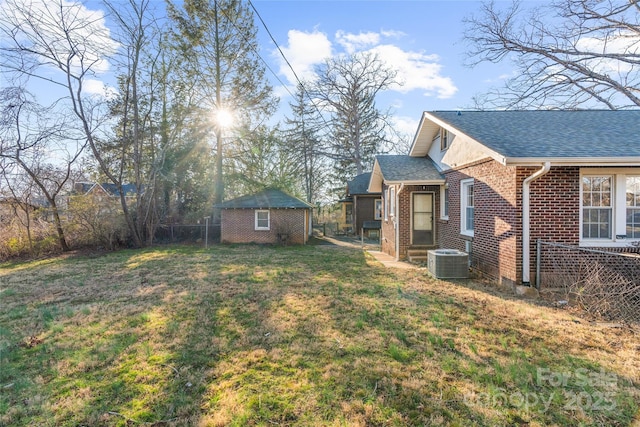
<point x="576" y="161"/>
<point x="416" y="182"/>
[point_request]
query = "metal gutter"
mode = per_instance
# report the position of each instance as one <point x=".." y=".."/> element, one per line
<point x="526" y="221"/>
<point x="396" y="223"/>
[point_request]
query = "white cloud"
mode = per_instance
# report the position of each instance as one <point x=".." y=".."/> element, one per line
<point x="98" y="87"/>
<point x="355" y="42"/>
<point x="50" y="28"/>
<point x="304" y="52"/>
<point x="623" y="44"/>
<point x="405" y="125"/>
<point x="417" y="71"/>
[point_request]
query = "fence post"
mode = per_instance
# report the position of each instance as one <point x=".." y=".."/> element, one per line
<point x="538" y="262"/>
<point x="206" y="232"/>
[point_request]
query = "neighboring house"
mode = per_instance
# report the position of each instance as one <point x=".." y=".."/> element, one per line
<point x="270" y="216"/>
<point x="12" y="208"/>
<point x="105" y="195"/>
<point x="104" y="190"/>
<point x="502" y="179"/>
<point x="361" y="209"/>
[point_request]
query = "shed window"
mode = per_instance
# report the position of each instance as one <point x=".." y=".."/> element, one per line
<point x="263" y="220"/>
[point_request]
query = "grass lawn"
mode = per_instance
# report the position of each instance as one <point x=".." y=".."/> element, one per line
<point x="308" y="336"/>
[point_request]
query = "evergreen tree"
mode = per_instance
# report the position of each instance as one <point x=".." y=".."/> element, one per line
<point x="302" y="142"/>
<point x="220" y="47"/>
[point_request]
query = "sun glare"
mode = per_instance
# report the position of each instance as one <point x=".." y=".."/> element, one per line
<point x="224" y="118"/>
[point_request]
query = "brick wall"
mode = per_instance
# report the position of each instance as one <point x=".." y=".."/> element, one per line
<point x="403" y="210"/>
<point x="555" y="208"/>
<point x="238" y="226"/>
<point x="496" y="245"/>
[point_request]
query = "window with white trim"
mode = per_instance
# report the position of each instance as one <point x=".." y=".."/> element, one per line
<point x="444" y="138"/>
<point x="392" y="201"/>
<point x="263" y="220"/>
<point x="609" y="206"/>
<point x="466" y="207"/>
<point x="377" y="210"/>
<point x="444" y="202"/>
<point x="597" y="207"/>
<point x="633" y="206"/>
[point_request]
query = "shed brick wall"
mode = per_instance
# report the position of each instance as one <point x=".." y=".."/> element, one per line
<point x="238" y="226"/>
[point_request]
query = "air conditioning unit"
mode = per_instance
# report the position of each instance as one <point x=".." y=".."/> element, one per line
<point x="448" y="263"/>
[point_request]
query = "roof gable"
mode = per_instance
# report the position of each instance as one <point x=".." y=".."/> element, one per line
<point x="269" y="198"/>
<point x="518" y="136"/>
<point x="359" y="185"/>
<point x="397" y="169"/>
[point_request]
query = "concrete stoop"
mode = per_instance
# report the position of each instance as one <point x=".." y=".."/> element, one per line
<point x="417" y="255"/>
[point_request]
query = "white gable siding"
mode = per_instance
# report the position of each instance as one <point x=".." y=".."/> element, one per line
<point x="463" y="150"/>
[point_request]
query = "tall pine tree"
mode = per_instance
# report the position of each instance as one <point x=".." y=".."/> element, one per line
<point x="220" y="46"/>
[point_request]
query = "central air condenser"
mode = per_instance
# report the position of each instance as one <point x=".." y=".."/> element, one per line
<point x="448" y="263"/>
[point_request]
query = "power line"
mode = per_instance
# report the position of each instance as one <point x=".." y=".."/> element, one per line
<point x="302" y="86"/>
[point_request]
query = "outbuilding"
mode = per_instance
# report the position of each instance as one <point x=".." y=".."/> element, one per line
<point x="269" y="216"/>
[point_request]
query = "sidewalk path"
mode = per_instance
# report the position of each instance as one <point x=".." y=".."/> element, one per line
<point x="385" y="259"/>
<point x="389" y="261"/>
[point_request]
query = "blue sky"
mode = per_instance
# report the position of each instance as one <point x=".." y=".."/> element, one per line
<point x="422" y="38"/>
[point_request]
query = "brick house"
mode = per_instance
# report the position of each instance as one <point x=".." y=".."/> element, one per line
<point x="361" y="209"/>
<point x="500" y="180"/>
<point x="270" y="216"/>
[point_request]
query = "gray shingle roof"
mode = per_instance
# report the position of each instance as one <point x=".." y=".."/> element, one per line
<point x="553" y="133"/>
<point x="266" y="199"/>
<point x="397" y="168"/>
<point x="359" y="184"/>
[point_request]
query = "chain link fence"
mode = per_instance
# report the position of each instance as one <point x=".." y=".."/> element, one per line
<point x="188" y="233"/>
<point x="605" y="284"/>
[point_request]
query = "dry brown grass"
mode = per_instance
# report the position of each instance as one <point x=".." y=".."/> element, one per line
<point x="293" y="336"/>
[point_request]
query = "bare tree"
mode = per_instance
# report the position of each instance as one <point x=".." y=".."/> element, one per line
<point x="567" y="54"/>
<point x="135" y="145"/>
<point x="37" y="141"/>
<point x="62" y="45"/>
<point x="346" y="90"/>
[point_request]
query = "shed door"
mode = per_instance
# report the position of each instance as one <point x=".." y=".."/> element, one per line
<point x="422" y="219"/>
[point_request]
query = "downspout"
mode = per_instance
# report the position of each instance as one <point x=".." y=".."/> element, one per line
<point x="396" y="223"/>
<point x="526" y="220"/>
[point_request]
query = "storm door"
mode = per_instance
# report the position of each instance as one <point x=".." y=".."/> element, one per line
<point x="422" y="219"/>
